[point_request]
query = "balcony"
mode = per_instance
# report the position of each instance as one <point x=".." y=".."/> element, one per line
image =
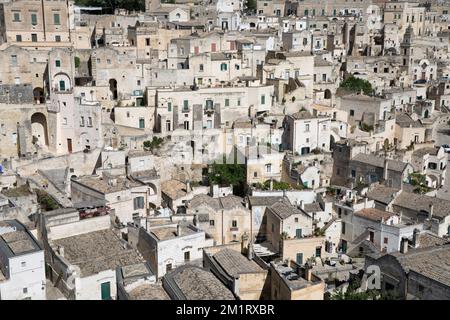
<point x="209" y="110"/>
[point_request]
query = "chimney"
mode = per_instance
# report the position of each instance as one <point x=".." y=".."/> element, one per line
<point x="308" y="273"/>
<point x="61" y="251"/>
<point x="302" y="205"/>
<point x="385" y="170"/>
<point x="430" y="213"/>
<point x="404" y="245"/>
<point x="188" y="186"/>
<point x="178" y="230"/>
<point x="250" y="251"/>
<point x="416" y="234"/>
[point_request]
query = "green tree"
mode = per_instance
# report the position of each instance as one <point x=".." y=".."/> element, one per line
<point x="77" y="62"/>
<point x="155" y="143"/>
<point x="46" y="202"/>
<point x="131" y="5"/>
<point x="251" y="5"/>
<point x="228" y="174"/>
<point x="356" y="85"/>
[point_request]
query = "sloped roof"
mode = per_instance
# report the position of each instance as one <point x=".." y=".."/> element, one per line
<point x="375" y="161"/>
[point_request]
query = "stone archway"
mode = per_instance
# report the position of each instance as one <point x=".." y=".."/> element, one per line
<point x="39" y="129"/>
<point x="113" y="88"/>
<point x="38" y="94"/>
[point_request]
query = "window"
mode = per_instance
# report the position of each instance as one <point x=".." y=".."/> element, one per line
<point x="16" y="17"/>
<point x="318" y="251"/>
<point x="147" y="41"/>
<point x="64" y="120"/>
<point x="234" y="224"/>
<point x="239" y="101"/>
<point x="223" y="67"/>
<point x="263" y="99"/>
<point x="19" y="38"/>
<point x="201" y="68"/>
<point x="34" y="37"/>
<point x="296" y="219"/>
<point x="211" y="223"/>
<point x="352" y="113"/>
<point x="62" y="85"/>
<point x="169" y="107"/>
<point x="187" y="256"/>
<point x="138" y="203"/>
<point x="82" y="122"/>
<point x="273" y="227"/>
<point x="56" y="19"/>
<point x="307" y="127"/>
<point x="141" y="123"/>
<point x="353" y="173"/>
<point x="385" y="240"/>
<point x="57" y="38"/>
<point x="343" y="227"/>
<point x="58" y="63"/>
<point x="269" y="168"/>
<point x="33" y="19"/>
<point x="227" y="102"/>
<point x="89" y="124"/>
<point x="168" y="267"/>
<point x="25" y="290"/>
<point x="14" y="60"/>
<point x="185" y="104"/>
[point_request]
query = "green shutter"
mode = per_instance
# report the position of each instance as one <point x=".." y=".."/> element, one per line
<point x="299" y="258"/>
<point x="169" y="106"/>
<point x="56" y="19"/>
<point x="33" y="19"/>
<point x="263" y="99"/>
<point x="227" y="102"/>
<point x="106" y="290"/>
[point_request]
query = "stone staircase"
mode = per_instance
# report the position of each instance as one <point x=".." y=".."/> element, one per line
<point x="39" y="181"/>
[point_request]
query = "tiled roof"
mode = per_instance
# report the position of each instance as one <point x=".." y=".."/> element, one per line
<point x="375" y="161"/>
<point x="374" y="214"/>
<point x="382" y="194"/>
<point x="227" y="202"/>
<point x="283" y="210"/>
<point x="234" y="263"/>
<point x="195" y="283"/>
<point x="432" y="262"/>
<point x="266" y="201"/>
<point x="420" y="202"/>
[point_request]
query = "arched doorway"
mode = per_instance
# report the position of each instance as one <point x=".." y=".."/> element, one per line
<point x="38" y="94"/>
<point x="426" y="114"/>
<point x="39" y="128"/>
<point x="113" y="88"/>
<point x="327" y="94"/>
